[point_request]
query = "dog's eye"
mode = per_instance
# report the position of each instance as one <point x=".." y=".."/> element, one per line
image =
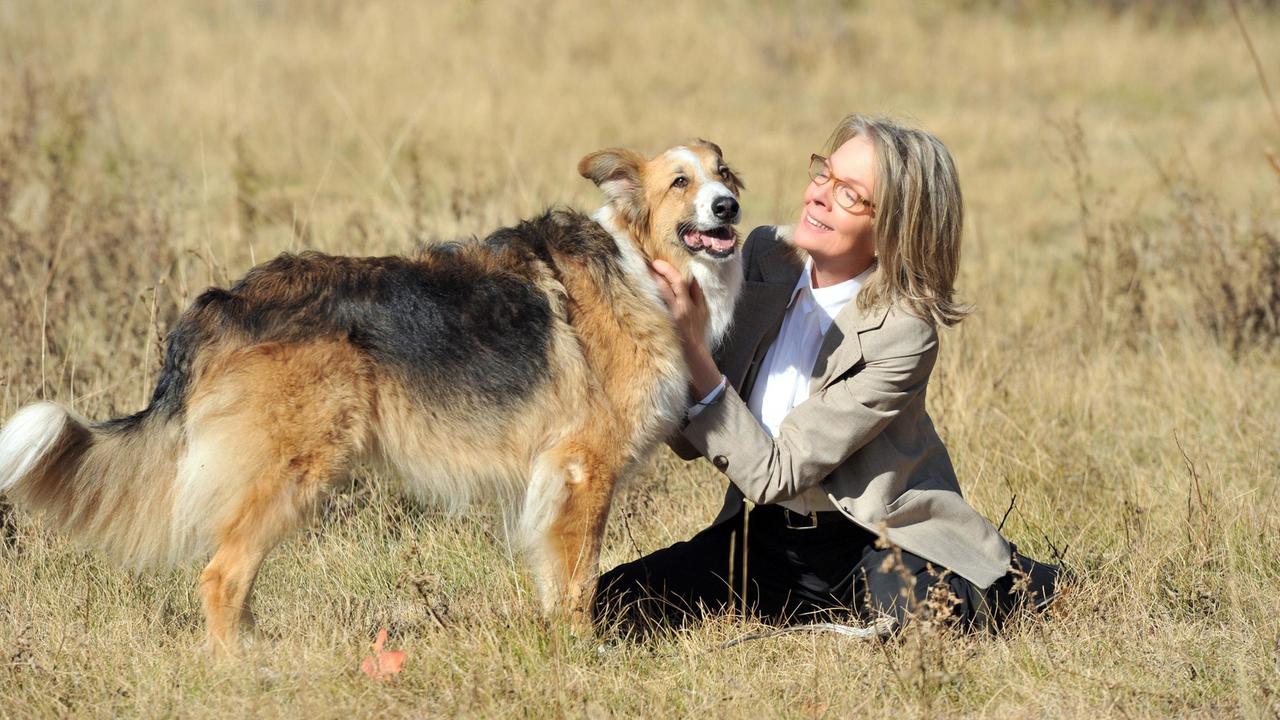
<point x="724" y="171"/>
<point x="680" y="182"/>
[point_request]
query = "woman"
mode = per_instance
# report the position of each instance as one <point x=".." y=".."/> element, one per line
<point x="814" y="408"/>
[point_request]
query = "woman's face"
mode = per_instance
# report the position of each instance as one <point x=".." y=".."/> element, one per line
<point x="827" y="230"/>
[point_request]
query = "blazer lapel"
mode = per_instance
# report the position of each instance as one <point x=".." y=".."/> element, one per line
<point x="781" y="262"/>
<point x="758" y="315"/>
<point x="841" y="348"/>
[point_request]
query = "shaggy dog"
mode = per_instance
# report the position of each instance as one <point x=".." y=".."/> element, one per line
<point x="538" y="363"/>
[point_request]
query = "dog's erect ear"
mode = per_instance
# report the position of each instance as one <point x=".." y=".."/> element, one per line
<point x="731" y="178"/>
<point x="616" y="171"/>
<point x="714" y="147"/>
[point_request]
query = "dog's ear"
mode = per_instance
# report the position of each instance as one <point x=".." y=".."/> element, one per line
<point x="731" y="178"/>
<point x="617" y="172"/>
<point x="710" y="145"/>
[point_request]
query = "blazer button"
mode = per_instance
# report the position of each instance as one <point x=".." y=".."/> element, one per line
<point x="721" y="462"/>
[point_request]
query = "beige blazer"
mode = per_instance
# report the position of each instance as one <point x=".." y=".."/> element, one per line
<point x="863" y="433"/>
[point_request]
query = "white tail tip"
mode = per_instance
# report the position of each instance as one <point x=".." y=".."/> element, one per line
<point x="26" y="438"/>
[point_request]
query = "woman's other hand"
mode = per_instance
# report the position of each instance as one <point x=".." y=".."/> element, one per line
<point x="689" y="309"/>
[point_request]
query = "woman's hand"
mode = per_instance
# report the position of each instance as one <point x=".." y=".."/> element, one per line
<point x="687" y="305"/>
<point x="689" y="309"/>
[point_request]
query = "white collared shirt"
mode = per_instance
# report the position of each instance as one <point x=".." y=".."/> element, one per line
<point x="783" y="379"/>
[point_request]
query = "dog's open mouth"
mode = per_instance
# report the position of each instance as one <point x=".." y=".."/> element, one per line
<point x="716" y="242"/>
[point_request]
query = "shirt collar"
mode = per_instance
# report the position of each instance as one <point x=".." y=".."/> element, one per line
<point x="830" y="299"/>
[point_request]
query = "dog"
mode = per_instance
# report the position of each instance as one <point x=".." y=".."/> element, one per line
<point x="539" y="363"/>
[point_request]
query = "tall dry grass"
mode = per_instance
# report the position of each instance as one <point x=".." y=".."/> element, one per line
<point x="1119" y="386"/>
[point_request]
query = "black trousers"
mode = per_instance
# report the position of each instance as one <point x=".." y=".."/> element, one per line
<point x="781" y="573"/>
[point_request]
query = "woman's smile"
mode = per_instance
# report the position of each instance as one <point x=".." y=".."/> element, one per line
<point x="817" y="225"/>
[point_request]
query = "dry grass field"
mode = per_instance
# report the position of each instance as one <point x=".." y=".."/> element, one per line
<point x="1119" y="384"/>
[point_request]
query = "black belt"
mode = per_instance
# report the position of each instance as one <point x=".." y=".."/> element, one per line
<point x="793" y="520"/>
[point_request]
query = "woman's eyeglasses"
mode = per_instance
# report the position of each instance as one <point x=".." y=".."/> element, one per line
<point x="846" y="197"/>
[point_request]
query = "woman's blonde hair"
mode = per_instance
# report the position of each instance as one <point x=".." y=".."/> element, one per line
<point x="919" y="213"/>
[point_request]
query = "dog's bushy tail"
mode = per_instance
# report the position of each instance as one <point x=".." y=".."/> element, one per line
<point x="108" y="485"/>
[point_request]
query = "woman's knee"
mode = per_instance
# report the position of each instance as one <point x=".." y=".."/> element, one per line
<point x="667" y="586"/>
<point x="907" y="588"/>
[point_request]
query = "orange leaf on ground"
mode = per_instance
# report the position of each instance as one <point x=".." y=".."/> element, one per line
<point x="383" y="663"/>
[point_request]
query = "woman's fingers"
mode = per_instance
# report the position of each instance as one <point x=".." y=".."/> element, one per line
<point x="685" y="299"/>
<point x="672" y="287"/>
<point x="672" y="276"/>
<point x="664" y="288"/>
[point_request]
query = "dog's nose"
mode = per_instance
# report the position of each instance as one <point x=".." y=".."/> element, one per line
<point x="725" y="207"/>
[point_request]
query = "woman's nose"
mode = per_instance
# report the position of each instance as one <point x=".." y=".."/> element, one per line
<point x="816" y="193"/>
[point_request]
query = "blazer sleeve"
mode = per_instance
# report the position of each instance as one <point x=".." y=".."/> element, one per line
<point x="682" y="447"/>
<point x="822" y="432"/>
<point x="763" y="234"/>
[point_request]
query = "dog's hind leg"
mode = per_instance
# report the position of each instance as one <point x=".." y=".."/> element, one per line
<point x="290" y="493"/>
<point x="564" y="521"/>
<point x="225" y="586"/>
<point x="269" y="437"/>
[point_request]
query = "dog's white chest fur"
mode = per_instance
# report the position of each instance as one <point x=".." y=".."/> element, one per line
<point x="720" y="283"/>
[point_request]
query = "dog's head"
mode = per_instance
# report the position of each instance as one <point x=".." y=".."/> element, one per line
<point x="680" y="205"/>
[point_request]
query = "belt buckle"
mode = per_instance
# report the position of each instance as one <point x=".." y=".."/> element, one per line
<point x="812" y="516"/>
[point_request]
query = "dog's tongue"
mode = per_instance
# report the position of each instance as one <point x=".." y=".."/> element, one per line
<point x="695" y="240"/>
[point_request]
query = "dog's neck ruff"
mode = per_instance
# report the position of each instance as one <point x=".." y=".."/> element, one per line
<point x="633" y="262"/>
<point x="720" y="280"/>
